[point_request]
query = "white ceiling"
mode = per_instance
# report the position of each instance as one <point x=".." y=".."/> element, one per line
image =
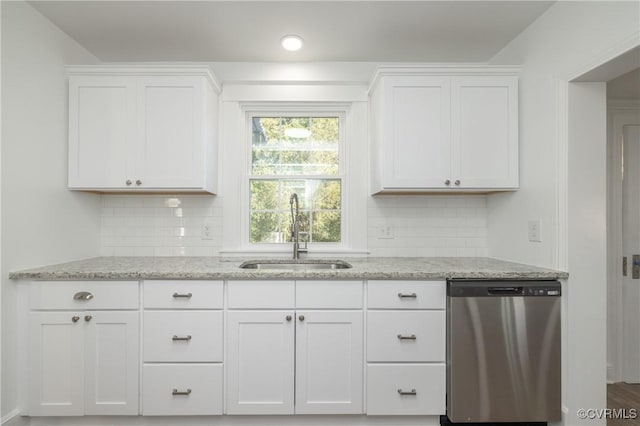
<point x="375" y="31"/>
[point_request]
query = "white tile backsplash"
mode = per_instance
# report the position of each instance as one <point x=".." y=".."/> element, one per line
<point x="171" y="225"/>
<point x="160" y="225"/>
<point x="428" y="225"/>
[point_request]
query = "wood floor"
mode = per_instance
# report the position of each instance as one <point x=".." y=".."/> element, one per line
<point x="624" y="396"/>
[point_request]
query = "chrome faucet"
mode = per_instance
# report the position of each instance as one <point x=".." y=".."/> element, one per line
<point x="295" y="226"/>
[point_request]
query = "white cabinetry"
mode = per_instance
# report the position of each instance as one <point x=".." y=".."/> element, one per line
<point x="150" y="129"/>
<point x="182" y="348"/>
<point x="82" y="362"/>
<point x="260" y="362"/>
<point x="444" y="132"/>
<point x="406" y="348"/>
<point x="277" y="353"/>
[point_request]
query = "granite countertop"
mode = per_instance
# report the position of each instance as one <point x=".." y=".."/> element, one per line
<point x="364" y="268"/>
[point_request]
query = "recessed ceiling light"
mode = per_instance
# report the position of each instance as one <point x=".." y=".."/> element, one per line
<point x="291" y="42"/>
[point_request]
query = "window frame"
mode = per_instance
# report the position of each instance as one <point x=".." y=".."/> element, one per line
<point x="295" y="111"/>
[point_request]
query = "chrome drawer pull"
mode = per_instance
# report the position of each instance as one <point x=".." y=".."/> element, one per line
<point x="177" y="392"/>
<point x="407" y="296"/>
<point x="186" y="296"/>
<point x="185" y="339"/>
<point x="411" y="392"/>
<point x="83" y="295"/>
<point x="410" y="337"/>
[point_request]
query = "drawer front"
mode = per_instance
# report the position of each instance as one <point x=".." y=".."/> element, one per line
<point x="183" y="336"/>
<point x="406" y="389"/>
<point x="183" y="294"/>
<point x="406" y="336"/>
<point x="83" y="295"/>
<point x="187" y="389"/>
<point x="329" y="294"/>
<point x="261" y="294"/>
<point x="406" y="294"/>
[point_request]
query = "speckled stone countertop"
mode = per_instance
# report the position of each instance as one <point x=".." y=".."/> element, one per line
<point x="364" y="268"/>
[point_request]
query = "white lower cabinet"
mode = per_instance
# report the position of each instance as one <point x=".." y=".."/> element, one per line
<point x="182" y="348"/>
<point x="329" y="361"/>
<point x="406" y="352"/>
<point x="182" y="389"/>
<point x="405" y="389"/>
<point x="314" y="357"/>
<point x="260" y="362"/>
<point x="240" y="348"/>
<point x="83" y="363"/>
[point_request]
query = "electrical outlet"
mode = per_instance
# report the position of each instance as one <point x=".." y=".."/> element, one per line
<point x="534" y="231"/>
<point x="385" y="232"/>
<point x="206" y="233"/>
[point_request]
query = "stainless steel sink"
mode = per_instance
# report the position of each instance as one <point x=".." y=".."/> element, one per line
<point x="295" y="265"/>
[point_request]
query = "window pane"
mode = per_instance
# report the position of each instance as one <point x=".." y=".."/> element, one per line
<point x="325" y="227"/>
<point x="295" y="146"/>
<point x="327" y="195"/>
<point x="265" y="228"/>
<point x="264" y="194"/>
<point x="319" y="209"/>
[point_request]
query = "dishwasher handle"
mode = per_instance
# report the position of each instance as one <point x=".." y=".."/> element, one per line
<point x="504" y="291"/>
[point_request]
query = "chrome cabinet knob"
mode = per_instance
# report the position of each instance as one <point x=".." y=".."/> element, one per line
<point x="447" y="182"/>
<point x="301" y="317"/>
<point x="138" y="182"/>
<point x="457" y="182"/>
<point x="75" y="318"/>
<point x="87" y="318"/>
<point x="128" y="182"/>
<point x="288" y="317"/>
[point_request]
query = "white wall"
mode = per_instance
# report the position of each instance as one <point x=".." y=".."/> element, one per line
<point x="42" y="222"/>
<point x="562" y="179"/>
<point x="586" y="293"/>
<point x="558" y="43"/>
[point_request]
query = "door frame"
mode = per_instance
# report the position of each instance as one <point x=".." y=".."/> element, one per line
<point x="619" y="114"/>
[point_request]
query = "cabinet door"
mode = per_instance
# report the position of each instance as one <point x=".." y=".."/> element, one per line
<point x="485" y="132"/>
<point x="102" y="131"/>
<point x="112" y="363"/>
<point x="56" y="364"/>
<point x="260" y="362"/>
<point x="171" y="128"/>
<point x="329" y="362"/>
<point x="416" y="132"/>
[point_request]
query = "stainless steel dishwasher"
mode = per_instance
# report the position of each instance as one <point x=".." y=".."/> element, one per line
<point x="503" y="351"/>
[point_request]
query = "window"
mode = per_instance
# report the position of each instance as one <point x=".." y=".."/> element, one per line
<point x="295" y="154"/>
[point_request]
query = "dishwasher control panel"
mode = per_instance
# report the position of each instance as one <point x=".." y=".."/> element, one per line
<point x="470" y="288"/>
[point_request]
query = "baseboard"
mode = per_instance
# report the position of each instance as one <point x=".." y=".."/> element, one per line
<point x="9" y="416"/>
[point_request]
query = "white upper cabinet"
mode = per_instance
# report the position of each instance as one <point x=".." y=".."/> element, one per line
<point x="435" y="130"/>
<point x="484" y="132"/>
<point x="147" y="129"/>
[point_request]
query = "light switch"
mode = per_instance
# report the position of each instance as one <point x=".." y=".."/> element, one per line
<point x="535" y="231"/>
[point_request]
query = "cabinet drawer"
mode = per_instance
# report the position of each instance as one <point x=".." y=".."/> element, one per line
<point x="183" y="336"/>
<point x="261" y="294"/>
<point x="200" y="385"/>
<point x="329" y="294"/>
<point x="386" y="381"/>
<point x="411" y="336"/>
<point x="98" y="295"/>
<point x="182" y="294"/>
<point x="406" y="294"/>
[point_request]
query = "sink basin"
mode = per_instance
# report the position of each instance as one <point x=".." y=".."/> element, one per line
<point x="295" y="265"/>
